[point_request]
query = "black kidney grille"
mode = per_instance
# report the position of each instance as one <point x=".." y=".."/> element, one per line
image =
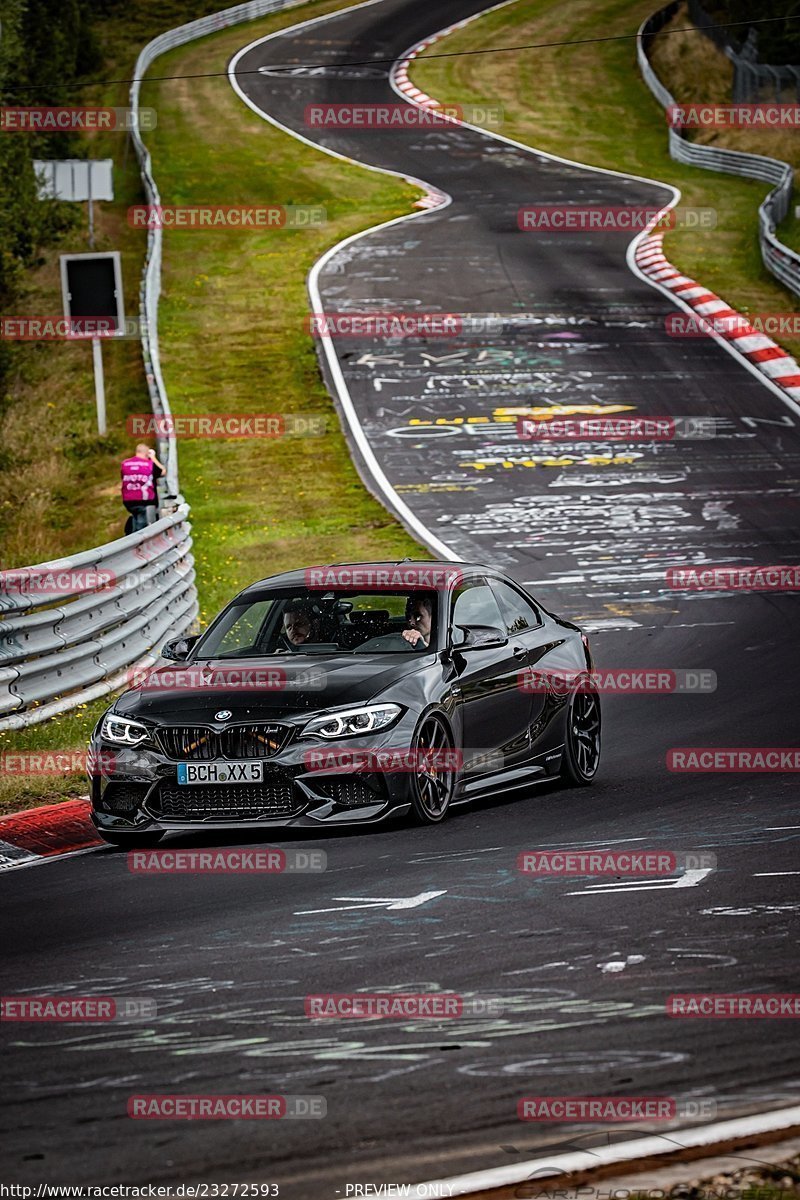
<point x="228" y="802"/>
<point x="253" y="741"/>
<point x="189" y="742"/>
<point x="198" y="743"/>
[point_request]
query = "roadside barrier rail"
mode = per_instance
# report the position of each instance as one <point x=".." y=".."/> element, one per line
<point x="72" y="629"/>
<point x="779" y="259"/>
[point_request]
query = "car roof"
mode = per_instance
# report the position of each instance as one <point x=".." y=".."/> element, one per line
<point x="298" y="577"/>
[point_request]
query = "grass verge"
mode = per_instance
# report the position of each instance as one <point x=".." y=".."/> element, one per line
<point x="588" y="102"/>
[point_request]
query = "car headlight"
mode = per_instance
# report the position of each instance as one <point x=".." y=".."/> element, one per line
<point x="123" y="732"/>
<point x="354" y="721"/>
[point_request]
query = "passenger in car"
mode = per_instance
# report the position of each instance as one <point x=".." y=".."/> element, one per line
<point x="419" y="616"/>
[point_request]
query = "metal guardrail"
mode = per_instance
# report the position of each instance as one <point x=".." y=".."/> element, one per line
<point x="779" y="259"/>
<point x="60" y="649"/>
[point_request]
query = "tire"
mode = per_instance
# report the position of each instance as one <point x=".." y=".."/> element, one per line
<point x="582" y="740"/>
<point x="131" y="841"/>
<point x="432" y="788"/>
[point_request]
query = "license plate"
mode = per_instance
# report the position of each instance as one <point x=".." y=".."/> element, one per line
<point x="221" y="772"/>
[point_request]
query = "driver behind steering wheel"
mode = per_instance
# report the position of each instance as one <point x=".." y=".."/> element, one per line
<point x="297" y="628"/>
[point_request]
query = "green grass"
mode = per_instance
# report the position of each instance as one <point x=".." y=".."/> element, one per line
<point x="232" y="340"/>
<point x="588" y="102"/>
<point x="68" y="732"/>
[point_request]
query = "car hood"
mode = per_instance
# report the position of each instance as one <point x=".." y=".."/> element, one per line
<point x="276" y="686"/>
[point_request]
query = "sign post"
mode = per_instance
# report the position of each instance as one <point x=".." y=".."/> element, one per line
<point x="99" y="386"/>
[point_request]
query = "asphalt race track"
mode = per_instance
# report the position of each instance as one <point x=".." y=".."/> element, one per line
<point x="584" y="973"/>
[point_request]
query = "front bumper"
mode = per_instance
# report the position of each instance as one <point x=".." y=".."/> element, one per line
<point x="136" y="789"/>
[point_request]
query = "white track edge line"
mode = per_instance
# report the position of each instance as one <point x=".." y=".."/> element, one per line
<point x="41" y="859"/>
<point x="646" y="1147"/>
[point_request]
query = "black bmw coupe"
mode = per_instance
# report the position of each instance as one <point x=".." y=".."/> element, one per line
<point x="345" y="694"/>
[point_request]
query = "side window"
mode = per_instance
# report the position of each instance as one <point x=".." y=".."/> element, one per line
<point x="475" y="605"/>
<point x="519" y="614"/>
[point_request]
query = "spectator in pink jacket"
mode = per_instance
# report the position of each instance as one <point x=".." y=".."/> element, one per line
<point x="139" y="495"/>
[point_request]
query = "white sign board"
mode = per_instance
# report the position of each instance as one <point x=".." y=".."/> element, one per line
<point x="75" y="179"/>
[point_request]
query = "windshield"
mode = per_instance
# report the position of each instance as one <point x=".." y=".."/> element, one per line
<point x="333" y="622"/>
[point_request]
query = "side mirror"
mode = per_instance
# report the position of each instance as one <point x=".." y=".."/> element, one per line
<point x="179" y="650"/>
<point x="482" y="637"/>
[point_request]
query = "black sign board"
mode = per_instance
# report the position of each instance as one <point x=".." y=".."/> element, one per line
<point x="91" y="286"/>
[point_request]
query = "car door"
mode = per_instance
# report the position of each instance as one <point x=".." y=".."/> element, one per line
<point x="524" y="627"/>
<point x="495" y="710"/>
